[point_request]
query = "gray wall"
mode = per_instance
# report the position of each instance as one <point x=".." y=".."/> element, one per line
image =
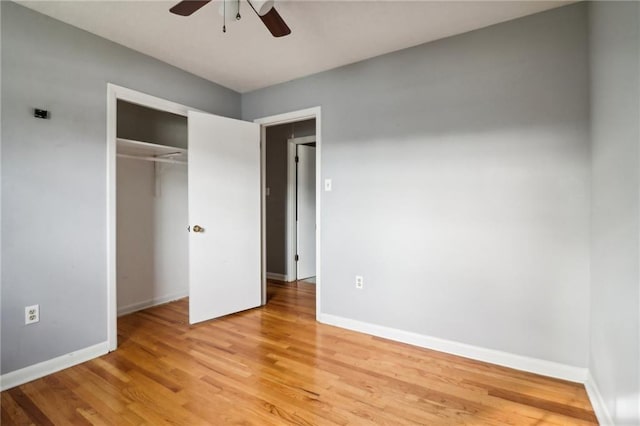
<point x="152" y="213"/>
<point x="614" y="359"/>
<point x="152" y="242"/>
<point x="276" y="173"/>
<point x="460" y="185"/>
<point x="54" y="175"/>
<point x="149" y="125"/>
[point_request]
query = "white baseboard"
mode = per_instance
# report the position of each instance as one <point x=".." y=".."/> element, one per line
<point x="36" y="371"/>
<point x="597" y="402"/>
<point x="124" y="310"/>
<point x="519" y="362"/>
<point x="546" y="368"/>
<point x="276" y="277"/>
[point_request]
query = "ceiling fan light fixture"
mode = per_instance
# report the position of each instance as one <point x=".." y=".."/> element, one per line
<point x="262" y="7"/>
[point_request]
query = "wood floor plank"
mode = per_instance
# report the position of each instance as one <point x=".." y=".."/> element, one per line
<point x="276" y="365"/>
<point x="12" y="413"/>
<point x="29" y="407"/>
<point x="544" y="404"/>
<point x="98" y="393"/>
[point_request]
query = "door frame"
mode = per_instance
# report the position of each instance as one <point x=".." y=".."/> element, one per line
<point x="115" y="93"/>
<point x="291" y="117"/>
<point x="291" y="229"/>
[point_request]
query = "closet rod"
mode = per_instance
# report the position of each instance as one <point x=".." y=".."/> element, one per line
<point x="156" y="159"/>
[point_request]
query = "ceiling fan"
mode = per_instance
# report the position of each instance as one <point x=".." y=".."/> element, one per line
<point x="264" y="9"/>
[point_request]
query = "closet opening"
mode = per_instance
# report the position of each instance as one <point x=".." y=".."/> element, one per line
<point x="177" y="230"/>
<point x="152" y="242"/>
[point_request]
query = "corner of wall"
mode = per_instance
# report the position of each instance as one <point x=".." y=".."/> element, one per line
<point x="597" y="401"/>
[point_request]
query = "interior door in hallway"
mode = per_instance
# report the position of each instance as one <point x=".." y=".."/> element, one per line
<point x="306" y="211"/>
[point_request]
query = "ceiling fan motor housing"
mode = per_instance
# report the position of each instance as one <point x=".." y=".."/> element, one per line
<point x="231" y="8"/>
<point x="262" y="6"/>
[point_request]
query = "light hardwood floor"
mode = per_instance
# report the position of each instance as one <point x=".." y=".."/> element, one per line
<point x="274" y="366"/>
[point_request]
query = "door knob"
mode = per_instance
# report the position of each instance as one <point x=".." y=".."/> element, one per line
<point x="198" y="228"/>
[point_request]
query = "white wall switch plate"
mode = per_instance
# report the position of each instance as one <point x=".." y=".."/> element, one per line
<point x="268" y="191"/>
<point x="327" y="185"/>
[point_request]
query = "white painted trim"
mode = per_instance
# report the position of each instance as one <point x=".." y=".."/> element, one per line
<point x="150" y="101"/>
<point x="302" y="140"/>
<point x="638" y="258"/>
<point x="276" y="277"/>
<point x="133" y="307"/>
<point x="519" y="362"/>
<point x="112" y="303"/>
<point x="114" y="93"/>
<point x="319" y="188"/>
<point x="290" y="117"/>
<point x="263" y="212"/>
<point x="597" y="402"/>
<point x="36" y="371"/>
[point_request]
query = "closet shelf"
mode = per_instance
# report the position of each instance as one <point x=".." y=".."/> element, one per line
<point x="146" y="151"/>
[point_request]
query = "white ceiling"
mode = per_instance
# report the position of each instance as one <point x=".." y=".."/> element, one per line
<point x="325" y="34"/>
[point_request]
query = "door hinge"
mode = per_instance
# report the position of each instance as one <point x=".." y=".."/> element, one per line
<point x="297" y="258"/>
<point x="297" y="159"/>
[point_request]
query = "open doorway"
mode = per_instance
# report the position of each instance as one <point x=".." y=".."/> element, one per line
<point x="290" y="201"/>
<point x="291" y="147"/>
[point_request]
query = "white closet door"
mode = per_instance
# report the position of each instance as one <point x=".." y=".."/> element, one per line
<point x="306" y="199"/>
<point x="224" y="201"/>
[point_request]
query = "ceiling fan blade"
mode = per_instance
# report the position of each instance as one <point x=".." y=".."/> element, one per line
<point x="274" y="23"/>
<point x="187" y="7"/>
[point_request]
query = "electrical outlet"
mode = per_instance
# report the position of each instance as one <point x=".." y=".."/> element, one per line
<point x="359" y="282"/>
<point x="31" y="314"/>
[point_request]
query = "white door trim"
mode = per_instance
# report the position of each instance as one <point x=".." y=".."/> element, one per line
<point x="273" y="120"/>
<point x="114" y="93"/>
<point x="291" y="229"/>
